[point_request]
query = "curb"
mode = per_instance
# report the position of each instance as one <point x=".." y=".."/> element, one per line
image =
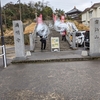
<point x="57" y="60"/>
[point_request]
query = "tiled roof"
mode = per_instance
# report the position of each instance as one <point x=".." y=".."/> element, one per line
<point x="74" y="10"/>
<point x="95" y="5"/>
<point x="87" y="9"/>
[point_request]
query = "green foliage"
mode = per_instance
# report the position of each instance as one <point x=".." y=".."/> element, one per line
<point x="59" y="12"/>
<point x="47" y="13"/>
<point x="11" y="12"/>
<point x="9" y="40"/>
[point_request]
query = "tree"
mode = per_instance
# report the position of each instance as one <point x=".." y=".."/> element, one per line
<point x="47" y="13"/>
<point x="59" y="12"/>
<point x="28" y="11"/>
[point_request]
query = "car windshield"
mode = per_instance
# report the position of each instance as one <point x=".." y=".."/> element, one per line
<point x="78" y="34"/>
<point x="87" y="35"/>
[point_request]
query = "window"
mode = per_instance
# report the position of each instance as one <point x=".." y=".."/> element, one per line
<point x="90" y="14"/>
<point x="78" y="34"/>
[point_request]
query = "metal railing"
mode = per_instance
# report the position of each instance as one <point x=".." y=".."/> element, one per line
<point x="3" y="55"/>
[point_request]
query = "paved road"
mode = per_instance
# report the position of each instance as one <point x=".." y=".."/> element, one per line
<point x="51" y="81"/>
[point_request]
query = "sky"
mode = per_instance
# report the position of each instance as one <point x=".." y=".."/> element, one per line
<point x="65" y="5"/>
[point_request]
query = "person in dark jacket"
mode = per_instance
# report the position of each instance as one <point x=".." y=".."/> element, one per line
<point x="43" y="43"/>
<point x="64" y="36"/>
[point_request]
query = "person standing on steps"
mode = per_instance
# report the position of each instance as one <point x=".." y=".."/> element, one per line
<point x="43" y="42"/>
<point x="64" y="36"/>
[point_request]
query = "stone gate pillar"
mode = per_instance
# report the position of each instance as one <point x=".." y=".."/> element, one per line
<point x="19" y="40"/>
<point x="95" y="37"/>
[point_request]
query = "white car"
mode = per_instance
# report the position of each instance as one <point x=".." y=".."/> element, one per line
<point x="80" y="38"/>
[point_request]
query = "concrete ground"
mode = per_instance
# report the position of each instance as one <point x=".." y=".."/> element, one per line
<point x="54" y="80"/>
<point x="51" y="81"/>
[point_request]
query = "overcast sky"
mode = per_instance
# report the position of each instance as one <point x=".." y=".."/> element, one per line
<point x="65" y="5"/>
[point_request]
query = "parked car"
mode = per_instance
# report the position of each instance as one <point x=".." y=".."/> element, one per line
<point x="80" y="38"/>
<point x="87" y="39"/>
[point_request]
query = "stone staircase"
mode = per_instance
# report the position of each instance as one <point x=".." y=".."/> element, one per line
<point x="64" y="45"/>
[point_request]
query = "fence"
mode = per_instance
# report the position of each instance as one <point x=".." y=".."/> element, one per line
<point x="3" y="55"/>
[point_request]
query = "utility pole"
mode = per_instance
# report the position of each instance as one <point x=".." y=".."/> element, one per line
<point x="91" y="3"/>
<point x="42" y="4"/>
<point x="2" y="36"/>
<point x="20" y="9"/>
<point x="5" y="17"/>
<point x="2" y="40"/>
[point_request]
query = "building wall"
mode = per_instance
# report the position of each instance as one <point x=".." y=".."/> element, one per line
<point x="92" y="13"/>
<point x="98" y="10"/>
<point x="85" y="18"/>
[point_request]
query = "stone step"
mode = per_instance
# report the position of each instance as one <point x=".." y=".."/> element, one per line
<point x="63" y="44"/>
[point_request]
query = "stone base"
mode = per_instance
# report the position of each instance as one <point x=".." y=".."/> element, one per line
<point x="94" y="54"/>
<point x="28" y="53"/>
<point x="19" y="59"/>
<point x="84" y="53"/>
<point x="73" y="48"/>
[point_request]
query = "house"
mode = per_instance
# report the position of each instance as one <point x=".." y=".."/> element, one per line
<point x="92" y="12"/>
<point x="74" y="13"/>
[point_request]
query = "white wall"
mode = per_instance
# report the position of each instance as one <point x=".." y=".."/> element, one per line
<point x="90" y="14"/>
<point x="98" y="11"/>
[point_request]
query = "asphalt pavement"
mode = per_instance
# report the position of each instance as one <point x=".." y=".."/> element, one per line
<point x="46" y="75"/>
<point x="50" y="76"/>
<point x="51" y="81"/>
